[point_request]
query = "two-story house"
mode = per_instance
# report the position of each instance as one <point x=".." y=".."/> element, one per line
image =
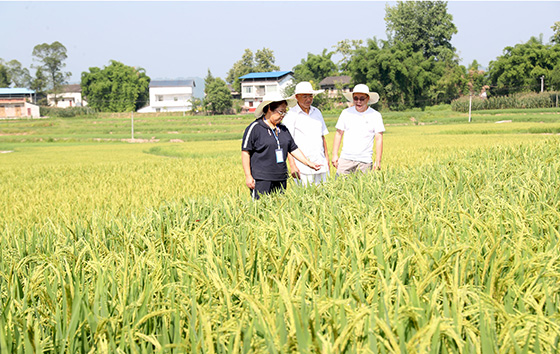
<point x="170" y="96"/>
<point x="255" y="85"/>
<point x="16" y="103"/>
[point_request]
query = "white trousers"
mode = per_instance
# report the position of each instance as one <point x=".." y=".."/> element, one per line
<point x="311" y="179"/>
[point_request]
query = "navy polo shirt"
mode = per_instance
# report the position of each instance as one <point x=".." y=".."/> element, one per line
<point x="261" y="144"/>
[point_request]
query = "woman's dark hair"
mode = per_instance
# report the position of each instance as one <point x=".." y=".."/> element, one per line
<point x="273" y="105"/>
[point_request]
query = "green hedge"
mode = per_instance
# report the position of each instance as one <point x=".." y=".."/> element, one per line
<point x="520" y="100"/>
<point x="66" y="112"/>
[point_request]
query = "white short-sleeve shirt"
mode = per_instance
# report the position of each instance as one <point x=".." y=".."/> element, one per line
<point x="308" y="131"/>
<point x="359" y="132"/>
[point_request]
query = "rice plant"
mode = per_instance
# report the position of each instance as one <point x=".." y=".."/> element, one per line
<point x="454" y="247"/>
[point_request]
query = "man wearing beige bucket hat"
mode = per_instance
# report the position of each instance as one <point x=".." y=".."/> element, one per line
<point x="308" y="128"/>
<point x="266" y="145"/>
<point x="360" y="125"/>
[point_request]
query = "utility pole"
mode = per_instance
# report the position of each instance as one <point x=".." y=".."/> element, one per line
<point x="470" y="105"/>
<point x="542" y="84"/>
<point x="132" y="123"/>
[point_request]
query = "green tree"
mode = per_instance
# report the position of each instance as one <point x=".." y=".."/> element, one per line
<point x="19" y="75"/>
<point x="241" y="67"/>
<point x="402" y="77"/>
<point x="264" y="61"/>
<point x="218" y="97"/>
<point x="39" y="85"/>
<point x="346" y="48"/>
<point x="520" y="67"/>
<point x="208" y="79"/>
<point x="476" y="79"/>
<point x="4" y="76"/>
<point x="315" y="67"/>
<point x="51" y="59"/>
<point x="426" y="25"/>
<point x="554" y="78"/>
<point x="116" y="88"/>
<point x="556" y="36"/>
<point x="452" y="81"/>
<point x="195" y="104"/>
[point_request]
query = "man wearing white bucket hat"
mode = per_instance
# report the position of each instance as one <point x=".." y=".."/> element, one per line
<point x="308" y="128"/>
<point x="361" y="126"/>
<point x="265" y="147"/>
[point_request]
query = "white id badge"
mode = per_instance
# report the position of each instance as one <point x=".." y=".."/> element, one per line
<point x="279" y="156"/>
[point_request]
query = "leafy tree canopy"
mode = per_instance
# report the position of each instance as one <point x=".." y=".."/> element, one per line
<point x="208" y="79"/>
<point x="242" y="67"/>
<point x="426" y="25"/>
<point x="4" y="76"/>
<point x="51" y="59"/>
<point x="19" y="75"/>
<point x="39" y="84"/>
<point x="262" y="61"/>
<point x="346" y="48"/>
<point x="403" y="77"/>
<point x="315" y="68"/>
<point x="116" y="88"/>
<point x="218" y="96"/>
<point x="556" y="36"/>
<point x="520" y="67"/>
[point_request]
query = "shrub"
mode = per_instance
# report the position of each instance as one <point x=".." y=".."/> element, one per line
<point x="519" y="100"/>
<point x="66" y="112"/>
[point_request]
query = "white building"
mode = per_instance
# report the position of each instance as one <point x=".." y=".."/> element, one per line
<point x="71" y="96"/>
<point x="16" y="103"/>
<point x="332" y="84"/>
<point x="170" y="96"/>
<point x="255" y="85"/>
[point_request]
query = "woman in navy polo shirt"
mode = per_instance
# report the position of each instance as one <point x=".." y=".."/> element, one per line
<point x="265" y="147"/>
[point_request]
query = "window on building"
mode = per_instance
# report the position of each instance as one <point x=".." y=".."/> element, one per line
<point x="271" y="88"/>
<point x="175" y="99"/>
<point x="159" y="98"/>
<point x="248" y="89"/>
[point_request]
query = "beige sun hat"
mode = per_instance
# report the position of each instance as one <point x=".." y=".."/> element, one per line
<point x="361" y="88"/>
<point x="305" y="88"/>
<point x="273" y="97"/>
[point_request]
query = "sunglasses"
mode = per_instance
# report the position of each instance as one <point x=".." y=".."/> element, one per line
<point x="281" y="113"/>
<point x="361" y="98"/>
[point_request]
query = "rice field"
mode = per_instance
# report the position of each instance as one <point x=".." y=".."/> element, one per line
<point x="157" y="248"/>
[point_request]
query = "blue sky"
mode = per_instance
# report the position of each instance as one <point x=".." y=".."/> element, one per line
<point x="179" y="39"/>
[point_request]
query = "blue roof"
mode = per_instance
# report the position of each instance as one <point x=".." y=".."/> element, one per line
<point x="269" y="75"/>
<point x="15" y="91"/>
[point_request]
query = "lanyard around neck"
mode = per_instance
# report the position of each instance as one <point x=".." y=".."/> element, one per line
<point x="274" y="132"/>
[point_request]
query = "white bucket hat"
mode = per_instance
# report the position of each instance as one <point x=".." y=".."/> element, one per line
<point x="361" y="88"/>
<point x="272" y="97"/>
<point x="305" y="88"/>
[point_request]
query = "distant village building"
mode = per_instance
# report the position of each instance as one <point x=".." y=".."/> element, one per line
<point x="17" y="103"/>
<point x="332" y="83"/>
<point x="71" y="96"/>
<point x="170" y="96"/>
<point x="255" y="86"/>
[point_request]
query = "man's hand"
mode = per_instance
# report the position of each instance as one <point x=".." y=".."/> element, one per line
<point x="295" y="173"/>
<point x="335" y="161"/>
<point x="315" y="166"/>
